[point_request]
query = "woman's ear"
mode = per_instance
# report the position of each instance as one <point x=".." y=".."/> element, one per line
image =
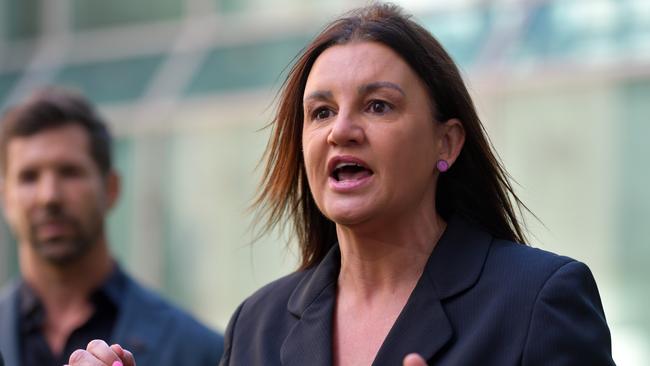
<point x="452" y="140"/>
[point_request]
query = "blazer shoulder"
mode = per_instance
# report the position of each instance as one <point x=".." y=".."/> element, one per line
<point x="267" y="308"/>
<point x="260" y="323"/>
<point x="146" y="313"/>
<point x="276" y="292"/>
<point x="555" y="302"/>
<point x="9" y="291"/>
<point x="568" y="315"/>
<point x="9" y="321"/>
<point x="147" y="300"/>
<point x="528" y="269"/>
<point x="524" y="259"/>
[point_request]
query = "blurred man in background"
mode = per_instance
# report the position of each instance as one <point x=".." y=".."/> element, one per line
<point x="57" y="187"/>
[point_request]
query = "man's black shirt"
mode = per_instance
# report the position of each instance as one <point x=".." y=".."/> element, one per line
<point x="35" y="351"/>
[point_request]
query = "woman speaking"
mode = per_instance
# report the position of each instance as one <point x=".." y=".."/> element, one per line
<point x="410" y="246"/>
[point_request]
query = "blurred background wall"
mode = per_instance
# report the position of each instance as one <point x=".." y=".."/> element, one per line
<point x="563" y="87"/>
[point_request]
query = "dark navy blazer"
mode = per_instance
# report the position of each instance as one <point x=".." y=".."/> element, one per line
<point x="157" y="333"/>
<point x="480" y="301"/>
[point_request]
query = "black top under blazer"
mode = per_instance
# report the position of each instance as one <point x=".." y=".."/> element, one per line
<point x="480" y="301"/>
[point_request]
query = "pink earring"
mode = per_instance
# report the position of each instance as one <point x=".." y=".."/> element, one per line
<point x="442" y="165"/>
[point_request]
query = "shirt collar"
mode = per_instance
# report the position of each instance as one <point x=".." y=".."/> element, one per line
<point x="111" y="290"/>
<point x="114" y="286"/>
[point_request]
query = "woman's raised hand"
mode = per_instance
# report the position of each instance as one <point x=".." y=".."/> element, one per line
<point x="99" y="353"/>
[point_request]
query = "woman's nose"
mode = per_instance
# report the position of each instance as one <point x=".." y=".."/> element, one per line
<point x="346" y="130"/>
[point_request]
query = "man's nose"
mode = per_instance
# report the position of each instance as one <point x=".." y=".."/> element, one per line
<point x="49" y="189"/>
<point x="346" y="129"/>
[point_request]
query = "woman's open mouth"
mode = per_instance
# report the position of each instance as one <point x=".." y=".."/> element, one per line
<point x="348" y="172"/>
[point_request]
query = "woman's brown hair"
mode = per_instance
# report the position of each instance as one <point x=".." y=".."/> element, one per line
<point x="476" y="187"/>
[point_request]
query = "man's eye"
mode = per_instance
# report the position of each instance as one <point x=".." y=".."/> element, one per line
<point x="28" y="176"/>
<point x="379" y="106"/>
<point x="70" y="171"/>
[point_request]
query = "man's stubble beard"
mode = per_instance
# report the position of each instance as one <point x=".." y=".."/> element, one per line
<point x="66" y="250"/>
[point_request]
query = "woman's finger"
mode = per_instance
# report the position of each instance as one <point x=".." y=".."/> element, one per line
<point x="82" y="357"/>
<point x="414" y="359"/>
<point x="102" y="351"/>
<point x="125" y="355"/>
<point x="128" y="358"/>
<point x="119" y="351"/>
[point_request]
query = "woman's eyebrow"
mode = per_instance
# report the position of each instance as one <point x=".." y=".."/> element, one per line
<point x="318" y="95"/>
<point x="367" y="88"/>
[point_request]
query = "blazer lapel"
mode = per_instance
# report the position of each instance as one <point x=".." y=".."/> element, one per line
<point x="421" y="328"/>
<point x="9" y="323"/>
<point x="140" y="324"/>
<point x="312" y="302"/>
<point x="454" y="266"/>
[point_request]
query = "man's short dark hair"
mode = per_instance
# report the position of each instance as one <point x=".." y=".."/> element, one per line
<point x="55" y="107"/>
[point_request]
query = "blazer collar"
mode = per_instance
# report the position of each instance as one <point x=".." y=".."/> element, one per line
<point x="316" y="280"/>
<point x="423" y="327"/>
<point x="310" y="341"/>
<point x="9" y="323"/>
<point x="141" y="323"/>
<point x="454" y="266"/>
<point x="457" y="261"/>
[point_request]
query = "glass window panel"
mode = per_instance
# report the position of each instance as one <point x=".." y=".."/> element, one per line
<point x="245" y="66"/>
<point x="21" y="18"/>
<point x="231" y="6"/>
<point x="120" y="220"/>
<point x="99" y="13"/>
<point x="7" y="82"/>
<point x="462" y="33"/>
<point x="634" y="205"/>
<point x="294" y="6"/>
<point x="111" y="81"/>
<point x="206" y="222"/>
<point x="573" y="29"/>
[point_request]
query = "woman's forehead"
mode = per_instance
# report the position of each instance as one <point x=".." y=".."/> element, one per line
<point x="358" y="63"/>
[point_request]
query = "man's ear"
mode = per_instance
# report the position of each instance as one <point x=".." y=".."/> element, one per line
<point x="3" y="200"/>
<point x="113" y="187"/>
<point x="452" y="140"/>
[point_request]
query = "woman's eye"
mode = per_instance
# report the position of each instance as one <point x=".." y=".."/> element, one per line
<point x="322" y="113"/>
<point x="379" y="107"/>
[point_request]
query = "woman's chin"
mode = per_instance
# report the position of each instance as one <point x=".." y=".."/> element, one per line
<point x="349" y="216"/>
